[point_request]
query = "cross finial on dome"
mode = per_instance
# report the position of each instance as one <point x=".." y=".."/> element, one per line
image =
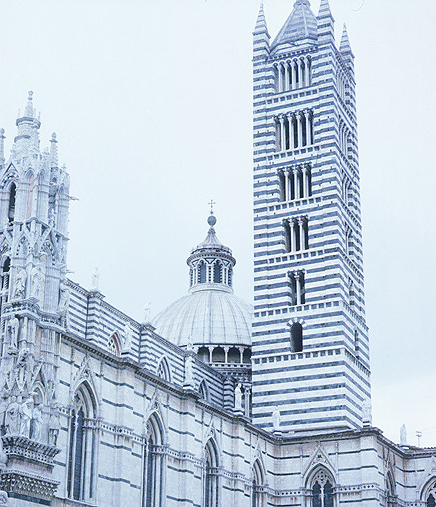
<point x="29" y="106"/>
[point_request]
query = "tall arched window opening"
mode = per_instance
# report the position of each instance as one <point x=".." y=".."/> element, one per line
<point x="217" y="272"/>
<point x="153" y="472"/>
<point x="322" y="490"/>
<point x="203" y="354"/>
<point x="296" y="337"/>
<point x="82" y="446"/>
<point x="12" y="199"/>
<point x="210" y="483"/>
<point x="390" y="491"/>
<point x="257" y="486"/>
<point x="202" y="272"/>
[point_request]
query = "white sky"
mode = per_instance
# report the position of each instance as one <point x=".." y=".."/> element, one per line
<point x="151" y="101"/>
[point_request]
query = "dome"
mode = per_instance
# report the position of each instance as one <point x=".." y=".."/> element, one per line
<point x="207" y="316"/>
<point x="301" y="24"/>
<point x="210" y="313"/>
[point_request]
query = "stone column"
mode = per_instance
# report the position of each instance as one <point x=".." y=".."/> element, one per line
<point x="282" y="134"/>
<point x="226" y="354"/>
<point x="286" y="189"/>
<point x="307" y="70"/>
<point x="280" y="77"/>
<point x="302" y="237"/>
<point x="286" y="76"/>
<point x="305" y="182"/>
<point x="294" y="75"/>
<point x="293" y="235"/>
<point x="297" y="286"/>
<point x="308" y="127"/>
<point x="299" y="131"/>
<point x="300" y="74"/>
<point x="296" y="184"/>
<point x="291" y="131"/>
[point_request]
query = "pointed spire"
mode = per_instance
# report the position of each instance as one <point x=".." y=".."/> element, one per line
<point x="324" y="9"/>
<point x="2" y="146"/>
<point x="29" y="111"/>
<point x="261" y="26"/>
<point x="54" y="150"/>
<point x="345" y="47"/>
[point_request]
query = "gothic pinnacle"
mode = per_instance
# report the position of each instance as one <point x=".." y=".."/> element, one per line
<point x="345" y="46"/>
<point x="261" y="26"/>
<point x="54" y="150"/>
<point x="2" y="146"/>
<point x="29" y="112"/>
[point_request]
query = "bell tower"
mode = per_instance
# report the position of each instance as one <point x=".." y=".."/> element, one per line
<point x="34" y="297"/>
<point x="310" y="342"/>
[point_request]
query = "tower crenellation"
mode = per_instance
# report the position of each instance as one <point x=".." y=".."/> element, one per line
<point x="310" y="343"/>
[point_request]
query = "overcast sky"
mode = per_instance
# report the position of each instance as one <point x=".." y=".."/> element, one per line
<point x="151" y="102"/>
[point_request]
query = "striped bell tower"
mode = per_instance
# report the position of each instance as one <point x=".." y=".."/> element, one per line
<point x="310" y="341"/>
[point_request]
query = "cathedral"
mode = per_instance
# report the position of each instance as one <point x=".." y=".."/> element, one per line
<point x="213" y="402"/>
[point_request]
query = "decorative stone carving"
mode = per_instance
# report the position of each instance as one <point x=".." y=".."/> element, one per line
<point x="366" y="412"/>
<point x="3" y="498"/>
<point x="238" y="398"/>
<point x="189" y="373"/>
<point x="403" y="435"/>
<point x="12" y="417"/>
<point x="128" y="335"/>
<point x="95" y="280"/>
<point x="13" y="329"/>
<point x="26" y="412"/>
<point x="36" y="283"/>
<point x="54" y="426"/>
<point x="64" y="298"/>
<point x="36" y="423"/>
<point x="276" y="419"/>
<point x="19" y="289"/>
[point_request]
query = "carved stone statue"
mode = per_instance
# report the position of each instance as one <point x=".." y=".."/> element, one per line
<point x="64" y="298"/>
<point x="12" y="418"/>
<point x="238" y="397"/>
<point x="95" y="280"/>
<point x="26" y="412"/>
<point x="366" y="412"/>
<point x="36" y="282"/>
<point x="13" y="327"/>
<point x="403" y="435"/>
<point x="190" y="343"/>
<point x="276" y="419"/>
<point x="147" y="309"/>
<point x="36" y="423"/>
<point x="19" y="290"/>
<point x="54" y="425"/>
<point x="189" y="371"/>
<point x="3" y="498"/>
<point x="128" y="335"/>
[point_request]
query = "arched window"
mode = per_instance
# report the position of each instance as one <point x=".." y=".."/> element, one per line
<point x="153" y="470"/>
<point x="203" y="354"/>
<point x="218" y="355"/>
<point x="230" y="277"/>
<point x="246" y="357"/>
<point x="210" y="482"/>
<point x="203" y="390"/>
<point x="257" y="486"/>
<point x="233" y="355"/>
<point x="113" y="344"/>
<point x="12" y="199"/>
<point x="217" y="272"/>
<point x="296" y="337"/>
<point x="163" y="369"/>
<point x="82" y="446"/>
<point x="202" y="272"/>
<point x="322" y="490"/>
<point x="390" y="491"/>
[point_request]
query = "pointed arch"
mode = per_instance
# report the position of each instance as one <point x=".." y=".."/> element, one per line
<point x="163" y="369"/>
<point x="210" y="476"/>
<point x="390" y="490"/>
<point x="153" y="462"/>
<point x="114" y="344"/>
<point x="82" y="444"/>
<point x="203" y="389"/>
<point x="428" y="492"/>
<point x="320" y="482"/>
<point x="257" y="484"/>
